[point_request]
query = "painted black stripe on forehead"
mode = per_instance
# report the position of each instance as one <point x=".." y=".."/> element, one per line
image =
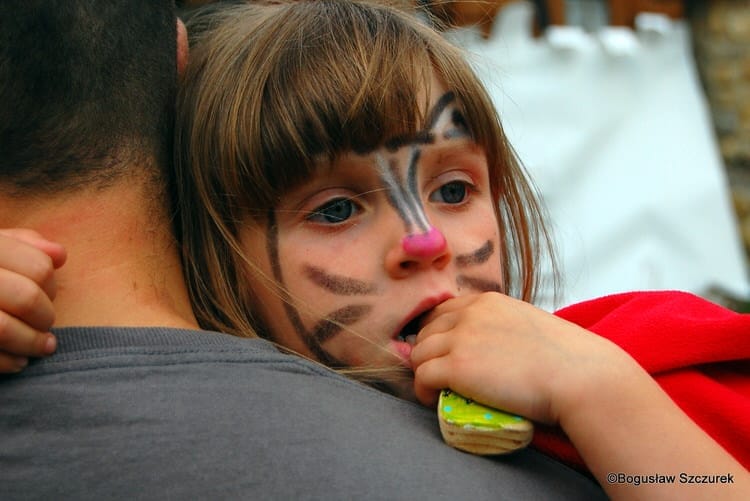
<point x="478" y="284"/>
<point x="461" y="126"/>
<point x="438" y="109"/>
<point x="332" y="324"/>
<point x="398" y="142"/>
<point x="479" y="256"/>
<point x="337" y="284"/>
<point x="426" y="136"/>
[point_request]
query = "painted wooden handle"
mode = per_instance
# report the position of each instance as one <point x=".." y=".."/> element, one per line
<point x="473" y="427"/>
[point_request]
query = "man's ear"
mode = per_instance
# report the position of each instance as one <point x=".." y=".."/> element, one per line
<point x="182" y="47"/>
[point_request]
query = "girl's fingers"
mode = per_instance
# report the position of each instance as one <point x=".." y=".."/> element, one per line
<point x="27" y="288"/>
<point x="23" y="299"/>
<point x="26" y="253"/>
<point x="437" y="323"/>
<point x="10" y="364"/>
<point x="54" y="250"/>
<point x="431" y="364"/>
<point x="429" y="379"/>
<point x="451" y="305"/>
<point x="18" y="341"/>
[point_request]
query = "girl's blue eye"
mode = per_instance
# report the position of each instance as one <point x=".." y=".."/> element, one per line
<point x="335" y="211"/>
<point x="450" y="193"/>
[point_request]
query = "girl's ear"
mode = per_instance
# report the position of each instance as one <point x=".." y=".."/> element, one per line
<point x="182" y="47"/>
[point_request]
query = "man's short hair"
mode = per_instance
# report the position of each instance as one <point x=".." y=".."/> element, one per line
<point x="87" y="87"/>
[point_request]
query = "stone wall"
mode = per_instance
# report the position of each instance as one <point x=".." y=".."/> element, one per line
<point x="721" y="35"/>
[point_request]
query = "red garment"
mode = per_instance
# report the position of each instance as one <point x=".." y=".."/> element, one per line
<point x="697" y="351"/>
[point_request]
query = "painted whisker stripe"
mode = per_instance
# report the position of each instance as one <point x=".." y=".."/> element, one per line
<point x="330" y="326"/>
<point x="339" y="285"/>
<point x="479" y="256"/>
<point x="272" y="247"/>
<point x="478" y="284"/>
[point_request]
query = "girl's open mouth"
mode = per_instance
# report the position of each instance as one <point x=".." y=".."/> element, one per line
<point x="412" y="328"/>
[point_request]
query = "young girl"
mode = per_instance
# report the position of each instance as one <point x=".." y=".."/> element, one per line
<point x="319" y="130"/>
<point x="357" y="202"/>
<point x="345" y="189"/>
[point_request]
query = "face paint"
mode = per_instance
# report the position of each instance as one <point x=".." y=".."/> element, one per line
<point x="424" y="244"/>
<point x="479" y="256"/>
<point x="341" y="286"/>
<point x="478" y="284"/>
<point x="422" y="238"/>
<point x="344" y="313"/>
<point x="323" y="331"/>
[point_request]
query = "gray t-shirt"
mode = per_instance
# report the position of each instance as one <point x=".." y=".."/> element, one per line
<point x="170" y="414"/>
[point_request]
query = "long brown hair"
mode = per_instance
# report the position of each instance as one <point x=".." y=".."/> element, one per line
<point x="271" y="89"/>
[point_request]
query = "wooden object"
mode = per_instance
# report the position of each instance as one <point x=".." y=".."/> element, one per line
<point x="473" y="427"/>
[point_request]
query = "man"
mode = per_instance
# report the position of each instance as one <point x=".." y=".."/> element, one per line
<point x="137" y="402"/>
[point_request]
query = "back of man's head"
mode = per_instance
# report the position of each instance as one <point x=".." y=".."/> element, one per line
<point x="87" y="91"/>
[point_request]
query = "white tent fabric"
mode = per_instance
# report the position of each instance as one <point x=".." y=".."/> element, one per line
<point x="614" y="130"/>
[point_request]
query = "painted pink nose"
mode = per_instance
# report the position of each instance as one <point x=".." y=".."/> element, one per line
<point x="424" y="244"/>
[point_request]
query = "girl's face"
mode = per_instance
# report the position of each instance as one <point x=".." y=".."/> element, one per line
<point x="369" y="245"/>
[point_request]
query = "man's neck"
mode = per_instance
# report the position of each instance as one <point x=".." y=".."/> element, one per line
<point x="123" y="266"/>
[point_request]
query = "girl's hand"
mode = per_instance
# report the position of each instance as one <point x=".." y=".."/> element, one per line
<point x="513" y="356"/>
<point x="510" y="355"/>
<point x="27" y="288"/>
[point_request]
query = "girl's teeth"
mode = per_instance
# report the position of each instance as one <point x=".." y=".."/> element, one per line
<point x="411" y="339"/>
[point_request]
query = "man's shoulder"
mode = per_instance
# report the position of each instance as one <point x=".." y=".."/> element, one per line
<point x="215" y="415"/>
<point x="113" y="346"/>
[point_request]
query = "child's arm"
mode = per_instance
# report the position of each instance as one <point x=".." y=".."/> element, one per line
<point x="27" y="288"/>
<point x="513" y="356"/>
